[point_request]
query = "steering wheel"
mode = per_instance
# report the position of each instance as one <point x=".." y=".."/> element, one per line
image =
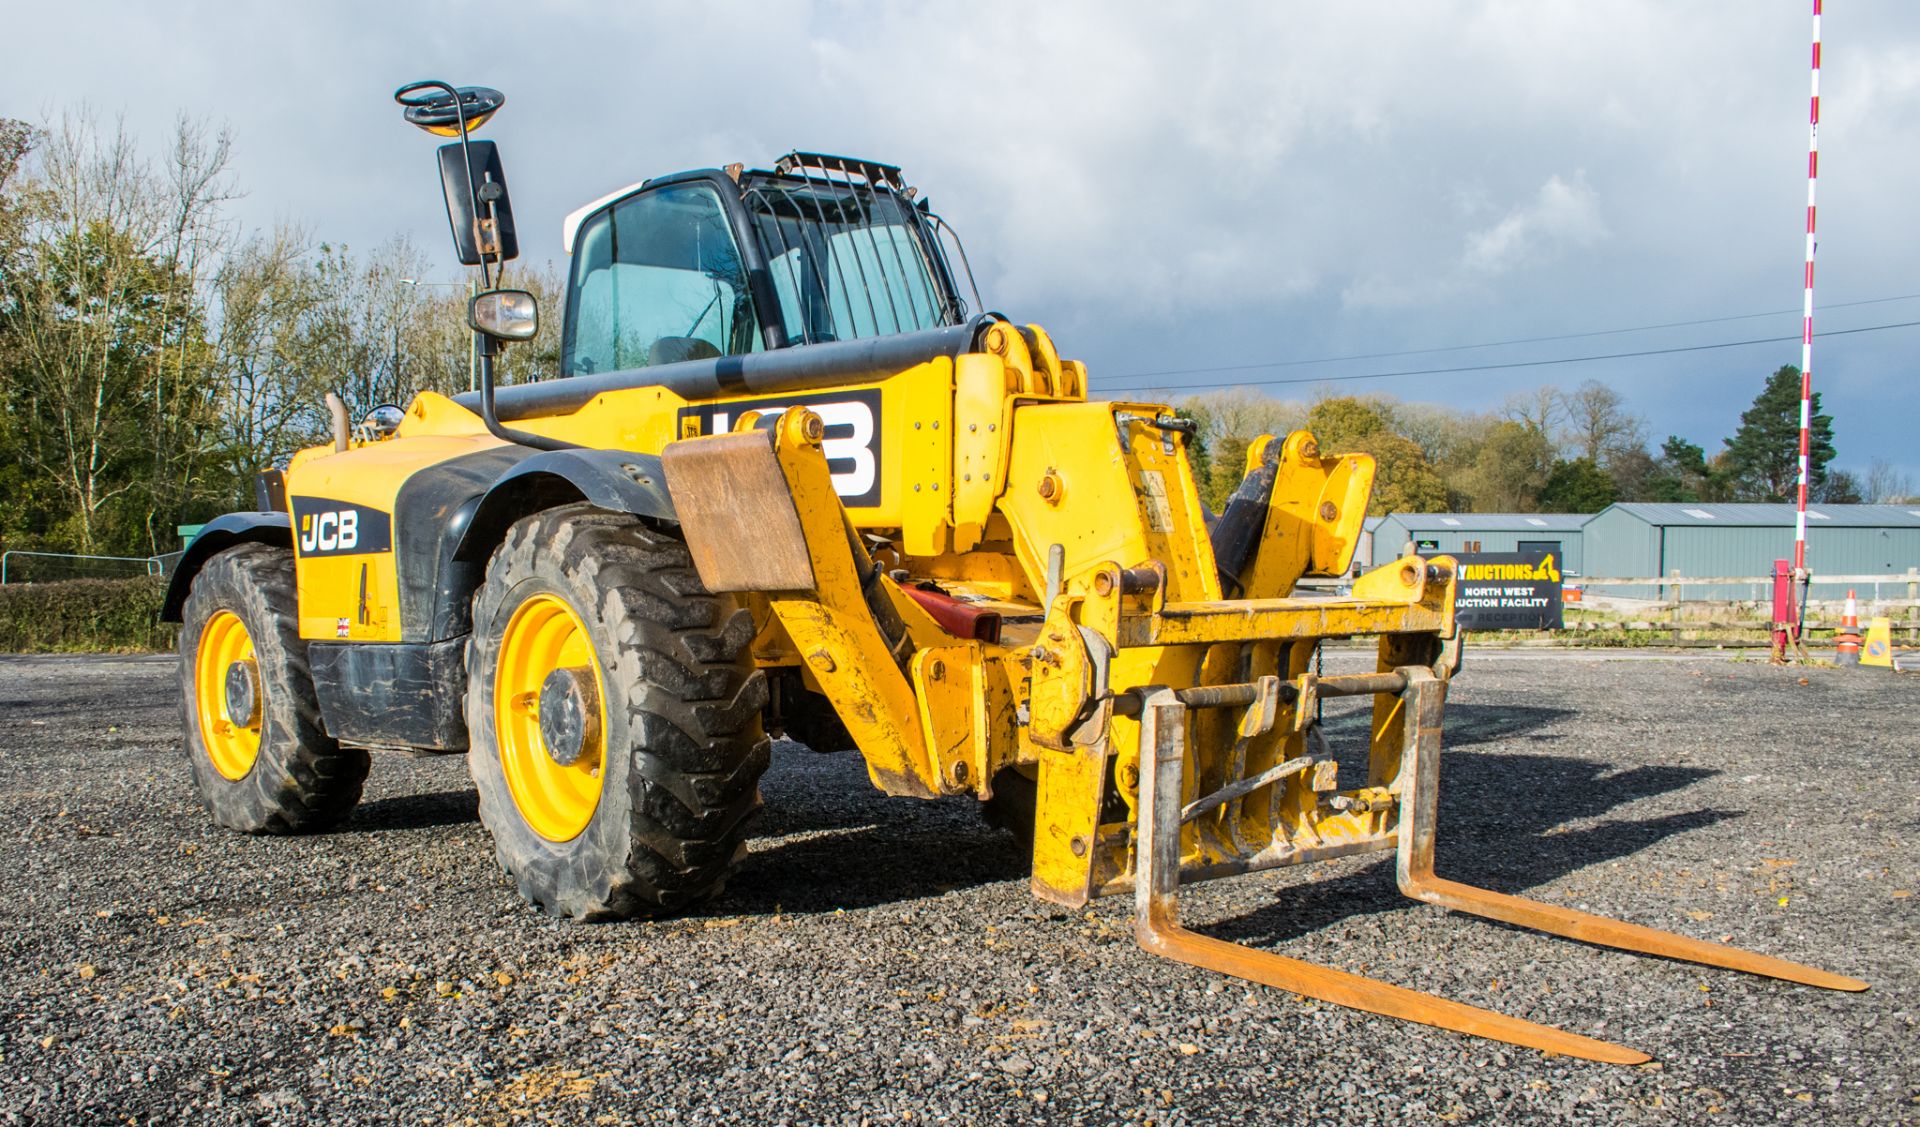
<point x="438" y="108"/>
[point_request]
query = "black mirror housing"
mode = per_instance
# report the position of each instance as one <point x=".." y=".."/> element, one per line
<point x="478" y="231"/>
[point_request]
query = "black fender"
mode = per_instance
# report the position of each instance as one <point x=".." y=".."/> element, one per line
<point x="615" y="480"/>
<point x="216" y="536"/>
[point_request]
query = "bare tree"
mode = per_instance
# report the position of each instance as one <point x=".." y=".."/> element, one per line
<point x="1599" y="426"/>
<point x="1540" y="409"/>
<point x="1444" y="433"/>
<point x="83" y="319"/>
<point x="1887" y="485"/>
<point x="1245" y="413"/>
<point x="269" y="392"/>
<point x="363" y="313"/>
<point x="195" y="188"/>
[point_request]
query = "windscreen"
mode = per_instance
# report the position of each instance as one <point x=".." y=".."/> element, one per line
<point x="657" y="279"/>
<point x="848" y="260"/>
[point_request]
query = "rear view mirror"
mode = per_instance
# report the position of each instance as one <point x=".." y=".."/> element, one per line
<point x="477" y="228"/>
<point x="505" y="314"/>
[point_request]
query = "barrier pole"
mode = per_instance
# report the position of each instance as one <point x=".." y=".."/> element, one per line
<point x="1806" y="339"/>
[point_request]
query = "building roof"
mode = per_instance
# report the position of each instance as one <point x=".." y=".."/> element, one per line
<point x="1771" y="515"/>
<point x="1494" y="522"/>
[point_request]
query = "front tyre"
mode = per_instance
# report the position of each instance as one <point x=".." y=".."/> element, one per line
<point x="615" y="713"/>
<point x="260" y="758"/>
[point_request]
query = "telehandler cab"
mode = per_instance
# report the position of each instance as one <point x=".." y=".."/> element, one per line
<point x="787" y="478"/>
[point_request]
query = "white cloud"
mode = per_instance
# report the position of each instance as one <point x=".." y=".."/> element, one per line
<point x="1563" y="214"/>
<point x="1166" y="185"/>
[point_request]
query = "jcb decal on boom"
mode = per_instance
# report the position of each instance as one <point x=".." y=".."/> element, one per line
<point x="852" y="445"/>
<point x="337" y="528"/>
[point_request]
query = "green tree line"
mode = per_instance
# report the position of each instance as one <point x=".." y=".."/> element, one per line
<point x="1551" y="450"/>
<point x="153" y="356"/>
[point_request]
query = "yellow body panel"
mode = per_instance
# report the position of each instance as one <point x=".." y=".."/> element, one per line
<point x="975" y="469"/>
<point x="356" y="596"/>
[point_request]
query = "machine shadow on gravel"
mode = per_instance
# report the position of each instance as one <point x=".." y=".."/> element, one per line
<point x="825" y="840"/>
<point x="899" y="863"/>
<point x="1467" y="724"/>
<point x="1495" y="821"/>
<point x="415" y="812"/>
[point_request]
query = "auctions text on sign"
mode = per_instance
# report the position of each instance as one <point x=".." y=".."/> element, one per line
<point x="1509" y="591"/>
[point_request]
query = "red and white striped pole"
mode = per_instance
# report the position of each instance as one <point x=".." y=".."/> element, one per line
<point x="1806" y="322"/>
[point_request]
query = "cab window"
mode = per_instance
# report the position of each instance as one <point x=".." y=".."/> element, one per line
<point x="657" y="278"/>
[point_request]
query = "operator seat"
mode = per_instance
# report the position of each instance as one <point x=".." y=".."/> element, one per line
<point x="672" y="350"/>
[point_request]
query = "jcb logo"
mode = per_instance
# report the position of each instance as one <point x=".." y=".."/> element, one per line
<point x="852" y="444"/>
<point x="330" y="530"/>
<point x="336" y="528"/>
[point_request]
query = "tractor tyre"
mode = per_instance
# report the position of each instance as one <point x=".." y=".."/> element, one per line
<point x="615" y="713"/>
<point x="260" y="757"/>
<point x="807" y="717"/>
<point x="1014" y="805"/>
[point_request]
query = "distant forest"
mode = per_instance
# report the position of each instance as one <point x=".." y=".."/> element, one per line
<point x="1551" y="450"/>
<point x="153" y="356"/>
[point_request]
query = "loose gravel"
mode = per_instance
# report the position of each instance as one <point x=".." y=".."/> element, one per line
<point x="880" y="960"/>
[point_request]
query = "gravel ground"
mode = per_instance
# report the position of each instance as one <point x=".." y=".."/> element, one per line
<point x="880" y="960"/>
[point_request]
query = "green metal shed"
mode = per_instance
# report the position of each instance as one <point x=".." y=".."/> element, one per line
<point x="1635" y="539"/>
<point x="1447" y="533"/>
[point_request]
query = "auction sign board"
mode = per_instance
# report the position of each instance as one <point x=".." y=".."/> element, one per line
<point x="1509" y="591"/>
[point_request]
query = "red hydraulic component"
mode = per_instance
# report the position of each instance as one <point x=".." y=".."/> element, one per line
<point x="962" y="620"/>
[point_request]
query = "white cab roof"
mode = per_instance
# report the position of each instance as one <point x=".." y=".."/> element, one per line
<point x="570" y="226"/>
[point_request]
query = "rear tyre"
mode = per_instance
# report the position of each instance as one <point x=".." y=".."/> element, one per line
<point x="1014" y="805"/>
<point x="806" y="717"/>
<point x="615" y="713"/>
<point x="260" y="758"/>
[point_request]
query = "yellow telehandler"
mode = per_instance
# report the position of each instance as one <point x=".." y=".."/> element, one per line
<point x="788" y="479"/>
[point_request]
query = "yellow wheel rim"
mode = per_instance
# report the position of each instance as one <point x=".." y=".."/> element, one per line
<point x="557" y="800"/>
<point x="232" y="743"/>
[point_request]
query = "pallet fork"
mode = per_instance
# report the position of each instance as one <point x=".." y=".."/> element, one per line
<point x="1157" y="890"/>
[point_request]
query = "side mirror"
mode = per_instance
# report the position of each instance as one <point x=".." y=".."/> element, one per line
<point x="482" y="220"/>
<point x="383" y="420"/>
<point x="505" y="314"/>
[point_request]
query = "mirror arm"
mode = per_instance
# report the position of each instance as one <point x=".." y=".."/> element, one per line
<point x="466" y="161"/>
<point x="492" y="222"/>
<point x="488" y="349"/>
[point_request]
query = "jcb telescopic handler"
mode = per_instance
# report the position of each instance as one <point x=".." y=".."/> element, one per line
<point x="788" y="479"/>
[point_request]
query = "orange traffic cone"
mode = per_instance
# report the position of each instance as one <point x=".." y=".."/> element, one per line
<point x="1846" y="644"/>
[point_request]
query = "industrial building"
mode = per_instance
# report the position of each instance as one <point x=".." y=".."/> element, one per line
<point x="1450" y="533"/>
<point x="1633" y="539"/>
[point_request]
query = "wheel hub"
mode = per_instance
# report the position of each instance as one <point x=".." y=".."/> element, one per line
<point x="226" y="695"/>
<point x="243" y="693"/>
<point x="550" y="717"/>
<point x="569" y="714"/>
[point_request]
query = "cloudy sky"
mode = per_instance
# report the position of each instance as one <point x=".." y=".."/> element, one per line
<point x="1167" y="187"/>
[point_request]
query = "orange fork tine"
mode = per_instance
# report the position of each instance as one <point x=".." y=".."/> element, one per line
<point x="1419" y="806"/>
<point x="1157" y="923"/>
